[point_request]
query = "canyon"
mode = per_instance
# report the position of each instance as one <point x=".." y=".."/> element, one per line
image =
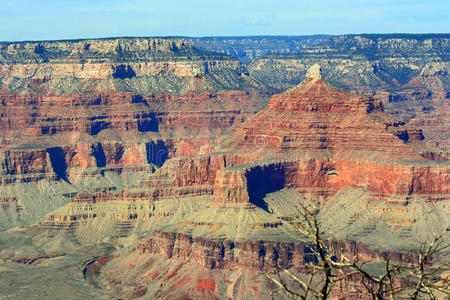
<point x="168" y="168"/>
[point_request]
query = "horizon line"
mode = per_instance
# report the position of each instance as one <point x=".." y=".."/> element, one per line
<point x="223" y="36"/>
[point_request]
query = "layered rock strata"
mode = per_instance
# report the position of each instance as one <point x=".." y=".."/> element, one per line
<point x="313" y="144"/>
<point x="119" y="137"/>
<point x="89" y="113"/>
<point x="409" y="73"/>
<point x="318" y="141"/>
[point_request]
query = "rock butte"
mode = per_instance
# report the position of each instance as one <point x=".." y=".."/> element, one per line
<point x="409" y="74"/>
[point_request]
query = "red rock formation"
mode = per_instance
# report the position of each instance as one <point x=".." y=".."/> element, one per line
<point x="323" y="140"/>
<point x="314" y="138"/>
<point x="39" y="115"/>
<point x="20" y="161"/>
<point x="319" y="119"/>
<point x="356" y="150"/>
<point x="252" y="255"/>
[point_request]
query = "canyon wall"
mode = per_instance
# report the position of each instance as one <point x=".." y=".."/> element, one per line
<point x="73" y="111"/>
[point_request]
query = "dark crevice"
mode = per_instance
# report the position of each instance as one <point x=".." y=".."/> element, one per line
<point x="403" y="135"/>
<point x="96" y="127"/>
<point x="157" y="153"/>
<point x="123" y="71"/>
<point x="48" y="130"/>
<point x="119" y="154"/>
<point x="147" y="122"/>
<point x="58" y="161"/>
<point x="99" y="154"/>
<point x="137" y="99"/>
<point x="263" y="180"/>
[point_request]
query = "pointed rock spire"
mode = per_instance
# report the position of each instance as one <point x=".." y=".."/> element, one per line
<point x="314" y="72"/>
<point x="312" y="79"/>
<point x="313" y="94"/>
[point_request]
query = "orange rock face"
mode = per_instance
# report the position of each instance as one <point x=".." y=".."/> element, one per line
<point x="322" y="140"/>
<point x="319" y="119"/>
<point x="91" y="114"/>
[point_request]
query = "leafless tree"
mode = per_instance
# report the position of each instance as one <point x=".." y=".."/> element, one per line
<point x="414" y="276"/>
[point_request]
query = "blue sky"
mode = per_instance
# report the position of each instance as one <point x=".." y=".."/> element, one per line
<point x="68" y="19"/>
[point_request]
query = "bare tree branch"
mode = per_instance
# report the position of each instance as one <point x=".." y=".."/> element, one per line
<point x="327" y="269"/>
